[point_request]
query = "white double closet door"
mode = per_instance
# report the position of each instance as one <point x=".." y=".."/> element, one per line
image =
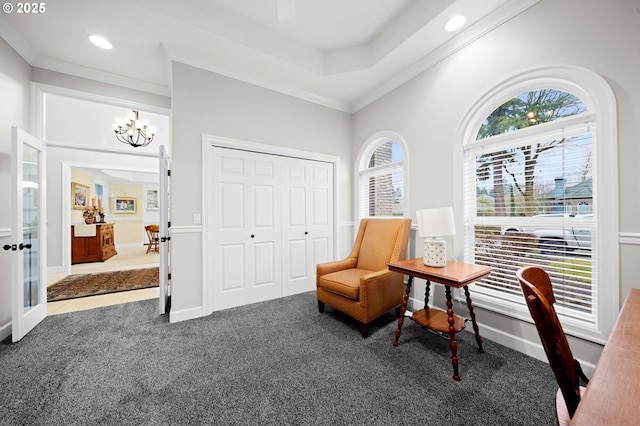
<point x="272" y="220"/>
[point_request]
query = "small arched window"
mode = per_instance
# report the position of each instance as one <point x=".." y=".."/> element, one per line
<point x="381" y="177"/>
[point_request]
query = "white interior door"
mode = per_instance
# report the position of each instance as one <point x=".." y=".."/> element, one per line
<point x="165" y="224"/>
<point x="28" y="228"/>
<point x="307" y="222"/>
<point x="245" y="209"/>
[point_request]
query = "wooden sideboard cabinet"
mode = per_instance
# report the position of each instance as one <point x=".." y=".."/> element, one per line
<point x="93" y="249"/>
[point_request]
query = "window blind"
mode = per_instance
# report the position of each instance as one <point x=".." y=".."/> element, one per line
<point x="529" y="200"/>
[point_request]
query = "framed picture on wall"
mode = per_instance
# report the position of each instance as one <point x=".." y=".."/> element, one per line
<point x="125" y="205"/>
<point x="79" y="196"/>
<point x="152" y="199"/>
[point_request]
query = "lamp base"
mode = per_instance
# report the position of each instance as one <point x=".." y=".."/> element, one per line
<point x="435" y="252"/>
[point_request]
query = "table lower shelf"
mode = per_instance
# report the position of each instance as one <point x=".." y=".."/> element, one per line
<point x="437" y="320"/>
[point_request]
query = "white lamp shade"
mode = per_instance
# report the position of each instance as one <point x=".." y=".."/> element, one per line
<point x="437" y="222"/>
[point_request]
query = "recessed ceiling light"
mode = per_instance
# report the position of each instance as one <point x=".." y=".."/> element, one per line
<point x="100" y="41"/>
<point x="455" y="23"/>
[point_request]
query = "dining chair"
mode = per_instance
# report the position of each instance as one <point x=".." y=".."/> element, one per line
<point x="153" y="232"/>
<point x="538" y="292"/>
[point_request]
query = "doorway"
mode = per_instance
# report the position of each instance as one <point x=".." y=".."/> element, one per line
<point x="132" y="253"/>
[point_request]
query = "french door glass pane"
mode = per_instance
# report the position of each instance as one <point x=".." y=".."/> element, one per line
<point x="30" y="226"/>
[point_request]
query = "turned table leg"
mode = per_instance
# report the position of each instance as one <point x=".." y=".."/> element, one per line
<point x="403" y="309"/>
<point x="472" y="314"/>
<point x="452" y="335"/>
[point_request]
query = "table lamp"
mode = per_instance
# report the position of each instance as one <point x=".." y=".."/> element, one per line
<point x="433" y="224"/>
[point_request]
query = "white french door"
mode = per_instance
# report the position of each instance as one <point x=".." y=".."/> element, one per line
<point x="165" y="236"/>
<point x="28" y="229"/>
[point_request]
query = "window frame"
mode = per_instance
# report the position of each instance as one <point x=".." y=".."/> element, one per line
<point x="362" y="166"/>
<point x="599" y="100"/>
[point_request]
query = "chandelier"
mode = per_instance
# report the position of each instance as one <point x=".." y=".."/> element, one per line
<point x="133" y="131"/>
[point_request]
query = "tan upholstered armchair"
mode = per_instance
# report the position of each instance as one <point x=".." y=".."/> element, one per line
<point x="361" y="285"/>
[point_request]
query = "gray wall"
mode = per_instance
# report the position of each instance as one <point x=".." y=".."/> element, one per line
<point x="15" y="75"/>
<point x="208" y="103"/>
<point x="427" y="111"/>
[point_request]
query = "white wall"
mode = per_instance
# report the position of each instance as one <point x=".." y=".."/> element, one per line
<point x="427" y="111"/>
<point x="208" y="103"/>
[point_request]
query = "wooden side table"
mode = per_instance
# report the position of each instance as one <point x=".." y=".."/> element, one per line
<point x="454" y="274"/>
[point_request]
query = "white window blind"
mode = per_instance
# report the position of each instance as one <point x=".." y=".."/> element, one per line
<point x="381" y="183"/>
<point x="529" y="199"/>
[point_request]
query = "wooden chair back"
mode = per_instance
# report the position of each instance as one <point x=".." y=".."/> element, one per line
<point x="153" y="232"/>
<point x="538" y="293"/>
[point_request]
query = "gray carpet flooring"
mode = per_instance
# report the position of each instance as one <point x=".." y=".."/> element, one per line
<point x="279" y="362"/>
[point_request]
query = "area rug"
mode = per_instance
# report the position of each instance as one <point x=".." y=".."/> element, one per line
<point x="83" y="285"/>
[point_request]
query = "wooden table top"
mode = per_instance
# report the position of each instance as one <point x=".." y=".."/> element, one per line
<point x="614" y="387"/>
<point x="454" y="274"/>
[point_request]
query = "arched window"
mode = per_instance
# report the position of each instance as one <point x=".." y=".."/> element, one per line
<point x="584" y="207"/>
<point x="381" y="177"/>
<point x="533" y="148"/>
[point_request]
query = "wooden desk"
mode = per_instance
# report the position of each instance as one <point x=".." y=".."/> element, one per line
<point x="614" y="388"/>
<point x="454" y="274"/>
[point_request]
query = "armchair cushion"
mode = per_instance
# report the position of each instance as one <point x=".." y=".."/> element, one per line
<point x="345" y="283"/>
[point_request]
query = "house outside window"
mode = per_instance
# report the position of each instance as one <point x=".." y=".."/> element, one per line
<point x="531" y="172"/>
<point x="381" y="184"/>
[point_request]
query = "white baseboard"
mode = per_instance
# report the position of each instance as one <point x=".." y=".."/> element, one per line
<point x="186" y="314"/>
<point x="524" y="346"/>
<point x="516" y="343"/>
<point x="54" y="269"/>
<point x="5" y="331"/>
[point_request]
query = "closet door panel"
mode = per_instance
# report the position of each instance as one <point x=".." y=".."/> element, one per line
<point x="273" y="220"/>
<point x="307" y="221"/>
<point x="247" y="228"/>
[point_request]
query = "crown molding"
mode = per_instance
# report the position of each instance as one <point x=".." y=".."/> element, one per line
<point x="34" y="59"/>
<point x="179" y="55"/>
<point x="101" y="76"/>
<point x="16" y="42"/>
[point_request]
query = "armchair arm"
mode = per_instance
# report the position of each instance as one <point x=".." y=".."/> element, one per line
<point x="338" y="265"/>
<point x="375" y="277"/>
<point x="379" y="287"/>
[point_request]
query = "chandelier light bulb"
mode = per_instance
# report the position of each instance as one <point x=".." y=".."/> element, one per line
<point x="133" y="131"/>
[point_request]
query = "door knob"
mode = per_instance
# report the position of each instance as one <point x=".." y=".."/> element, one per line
<point x="306" y="233"/>
<point x="24" y="246"/>
<point x="13" y="247"/>
<point x="252" y="236"/>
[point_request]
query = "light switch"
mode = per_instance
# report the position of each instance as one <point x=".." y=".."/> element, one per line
<point x="196" y="218"/>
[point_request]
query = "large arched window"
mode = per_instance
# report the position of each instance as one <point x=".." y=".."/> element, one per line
<point x="381" y="177"/>
<point x="539" y="187"/>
